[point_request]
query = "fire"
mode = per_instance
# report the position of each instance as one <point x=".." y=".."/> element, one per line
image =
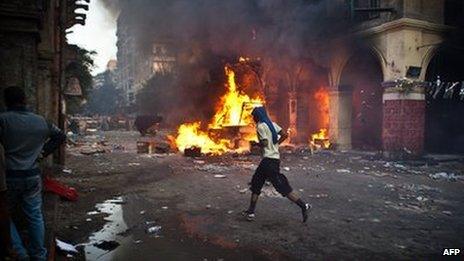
<point x="230" y="107"/>
<point x="190" y="135"/>
<point x="320" y="139"/>
<point x="231" y="110"/>
<point x="323" y="100"/>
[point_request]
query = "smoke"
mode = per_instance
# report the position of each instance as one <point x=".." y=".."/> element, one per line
<point x="287" y="36"/>
<point x="113" y="6"/>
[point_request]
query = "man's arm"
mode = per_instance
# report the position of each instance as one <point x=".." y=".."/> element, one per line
<point x="283" y="136"/>
<point x="263" y="143"/>
<point x="57" y="137"/>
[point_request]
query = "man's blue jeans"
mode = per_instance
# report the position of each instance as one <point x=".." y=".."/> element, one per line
<point x="27" y="193"/>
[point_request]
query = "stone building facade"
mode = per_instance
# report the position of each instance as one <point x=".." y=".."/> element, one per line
<point x="31" y="49"/>
<point x="401" y="38"/>
<point x="138" y="61"/>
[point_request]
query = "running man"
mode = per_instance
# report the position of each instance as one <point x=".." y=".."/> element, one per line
<point x="270" y="136"/>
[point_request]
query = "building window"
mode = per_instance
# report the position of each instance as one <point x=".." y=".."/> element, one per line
<point x="360" y="9"/>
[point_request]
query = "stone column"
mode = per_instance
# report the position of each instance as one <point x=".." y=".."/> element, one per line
<point x="292" y="115"/>
<point x="403" y="120"/>
<point x="340" y="111"/>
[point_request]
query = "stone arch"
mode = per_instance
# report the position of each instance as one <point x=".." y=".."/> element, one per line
<point x="361" y="79"/>
<point x="340" y="60"/>
<point x="429" y="54"/>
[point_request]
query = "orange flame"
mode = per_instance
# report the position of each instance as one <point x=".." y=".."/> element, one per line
<point x="189" y="135"/>
<point x="320" y="139"/>
<point x="230" y="107"/>
<point x="231" y="110"/>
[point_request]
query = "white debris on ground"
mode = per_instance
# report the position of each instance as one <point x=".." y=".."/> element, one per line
<point x="65" y="247"/>
<point x="214" y="168"/>
<point x="445" y="176"/>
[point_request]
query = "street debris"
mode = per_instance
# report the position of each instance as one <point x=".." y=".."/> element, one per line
<point x="154" y="230"/>
<point x="270" y="192"/>
<point x="446" y="212"/>
<point x="65" y="247"/>
<point x="243" y="191"/>
<point x="212" y="168"/>
<point x="220" y="176"/>
<point x="343" y="171"/>
<point x="444" y="176"/>
<point x="67" y="171"/>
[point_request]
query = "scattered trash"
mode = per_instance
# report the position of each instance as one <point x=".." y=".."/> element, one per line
<point x="154" y="230"/>
<point x="133" y="164"/>
<point x="286" y="168"/>
<point x="421" y="199"/>
<point x="142" y="212"/>
<point x="243" y="191"/>
<point x="91" y="213"/>
<point x="446" y="212"/>
<point x="208" y="206"/>
<point x="137" y="241"/>
<point x="199" y="161"/>
<point x="67" y="171"/>
<point x="88" y="219"/>
<point x="271" y="192"/>
<point x="164" y="207"/>
<point x="212" y="168"/>
<point x="444" y="175"/>
<point x="220" y="176"/>
<point x="343" y="171"/>
<point x="230" y="212"/>
<point x="66" y="247"/>
<point x="318" y="196"/>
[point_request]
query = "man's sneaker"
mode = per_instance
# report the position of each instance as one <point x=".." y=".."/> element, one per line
<point x="305" y="212"/>
<point x="250" y="216"/>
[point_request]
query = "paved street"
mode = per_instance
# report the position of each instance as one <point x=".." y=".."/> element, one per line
<point x="179" y="208"/>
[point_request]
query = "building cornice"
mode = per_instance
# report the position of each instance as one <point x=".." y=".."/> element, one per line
<point x="403" y="23"/>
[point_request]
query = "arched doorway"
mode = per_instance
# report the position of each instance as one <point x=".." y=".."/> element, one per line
<point x="363" y="76"/>
<point x="444" y="120"/>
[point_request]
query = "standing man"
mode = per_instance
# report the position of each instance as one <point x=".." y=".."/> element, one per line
<point x="26" y="137"/>
<point x="270" y="136"/>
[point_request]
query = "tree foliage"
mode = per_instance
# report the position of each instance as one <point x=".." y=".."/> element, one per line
<point x="80" y="67"/>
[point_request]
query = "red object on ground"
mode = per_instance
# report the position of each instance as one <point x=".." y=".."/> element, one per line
<point x="62" y="190"/>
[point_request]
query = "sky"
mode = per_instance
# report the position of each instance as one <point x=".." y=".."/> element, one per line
<point x="98" y="34"/>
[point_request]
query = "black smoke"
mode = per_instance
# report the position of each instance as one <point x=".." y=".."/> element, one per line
<point x="286" y="35"/>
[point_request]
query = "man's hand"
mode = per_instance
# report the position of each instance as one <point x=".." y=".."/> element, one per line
<point x="263" y="143"/>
